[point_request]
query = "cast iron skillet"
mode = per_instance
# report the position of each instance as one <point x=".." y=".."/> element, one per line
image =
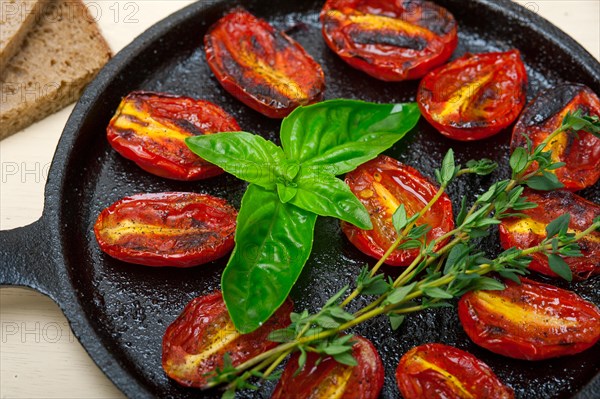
<point x="119" y="311"/>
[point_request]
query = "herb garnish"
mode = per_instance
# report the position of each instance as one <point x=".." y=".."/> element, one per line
<point x="449" y="272"/>
<point x="290" y="186"/>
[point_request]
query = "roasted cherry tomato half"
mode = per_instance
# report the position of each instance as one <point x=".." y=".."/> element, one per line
<point x="580" y="151"/>
<point x="150" y="129"/>
<point x="530" y="230"/>
<point x="167" y="229"/>
<point x="262" y="67"/>
<point x="195" y="344"/>
<point x="389" y="40"/>
<point x="475" y="96"/>
<point x="330" y="379"/>
<point x="434" y="371"/>
<point x="531" y="320"/>
<point x="382" y="185"/>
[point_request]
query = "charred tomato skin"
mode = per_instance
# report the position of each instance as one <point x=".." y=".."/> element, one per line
<point x="581" y="151"/>
<point x="530" y="230"/>
<point x="435" y="370"/>
<point x="389" y="40"/>
<point x="382" y="185"/>
<point x="167" y="229"/>
<point x="205" y="325"/>
<point x="531" y="321"/>
<point x="150" y="129"/>
<point x="260" y="66"/>
<point x="363" y="381"/>
<point x="475" y="96"/>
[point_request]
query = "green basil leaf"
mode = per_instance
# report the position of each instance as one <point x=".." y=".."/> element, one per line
<point x="326" y="195"/>
<point x="273" y="242"/>
<point x="286" y="193"/>
<point x="344" y="133"/>
<point x="246" y="156"/>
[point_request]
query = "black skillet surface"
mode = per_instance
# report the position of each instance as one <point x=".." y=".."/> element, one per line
<point x="119" y="311"/>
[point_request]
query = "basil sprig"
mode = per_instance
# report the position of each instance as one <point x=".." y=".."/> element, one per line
<point x="290" y="186"/>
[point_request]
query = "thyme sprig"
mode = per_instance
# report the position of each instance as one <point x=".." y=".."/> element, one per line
<point x="447" y="272"/>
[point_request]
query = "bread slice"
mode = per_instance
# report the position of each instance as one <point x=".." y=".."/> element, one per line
<point x="59" y="56"/>
<point x="17" y="17"/>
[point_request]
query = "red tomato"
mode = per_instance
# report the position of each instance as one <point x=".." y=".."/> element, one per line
<point x="475" y="96"/>
<point x="531" y="321"/>
<point x="389" y="40"/>
<point x="434" y="371"/>
<point x="150" y="129"/>
<point x="330" y="379"/>
<point x="530" y="230"/>
<point x="194" y="344"/>
<point x="167" y="229"/>
<point x="382" y="185"/>
<point x="263" y="68"/>
<point x="580" y="152"/>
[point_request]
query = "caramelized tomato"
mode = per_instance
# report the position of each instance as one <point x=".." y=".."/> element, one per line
<point x="475" y="96"/>
<point x="531" y="321"/>
<point x="195" y="343"/>
<point x="167" y="229"/>
<point x="389" y="40"/>
<point x="262" y="67"/>
<point x="382" y="185"/>
<point x="530" y="230"/>
<point x="332" y="380"/>
<point x="581" y="151"/>
<point x="434" y="371"/>
<point x="150" y="129"/>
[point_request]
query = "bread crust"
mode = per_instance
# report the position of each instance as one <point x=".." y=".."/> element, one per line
<point x="61" y="54"/>
<point x="17" y="17"/>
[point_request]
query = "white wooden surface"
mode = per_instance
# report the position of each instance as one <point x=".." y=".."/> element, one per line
<point x="39" y="357"/>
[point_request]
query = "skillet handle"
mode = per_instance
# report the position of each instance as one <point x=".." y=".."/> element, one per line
<point x="26" y="258"/>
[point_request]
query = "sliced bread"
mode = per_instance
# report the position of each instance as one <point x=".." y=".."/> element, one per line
<point x="59" y="56"/>
<point x="17" y="17"/>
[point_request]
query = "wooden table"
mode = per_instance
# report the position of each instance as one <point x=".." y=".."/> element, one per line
<point x="40" y="358"/>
